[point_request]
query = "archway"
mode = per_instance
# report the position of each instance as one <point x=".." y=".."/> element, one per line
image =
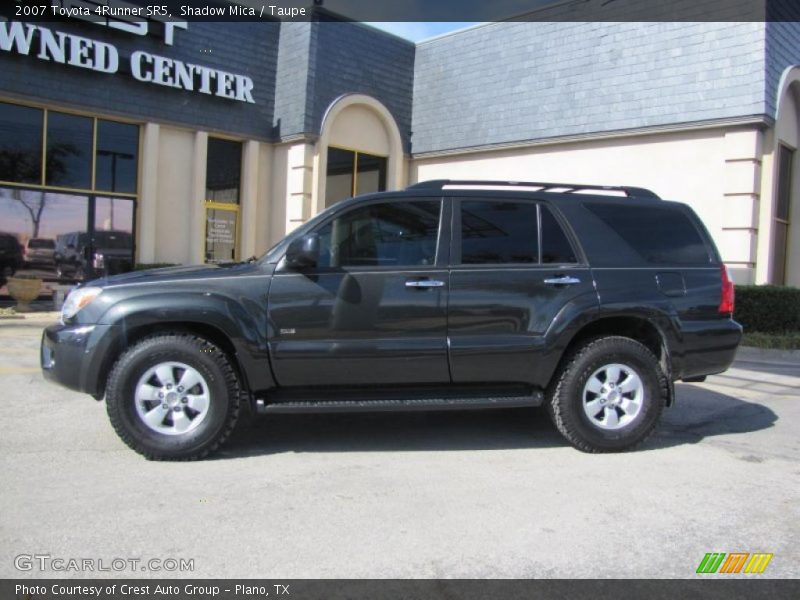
<point x="780" y="217"/>
<point x="360" y="130"/>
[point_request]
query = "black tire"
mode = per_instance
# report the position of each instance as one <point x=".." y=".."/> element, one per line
<point x="223" y="391"/>
<point x="565" y="401"/>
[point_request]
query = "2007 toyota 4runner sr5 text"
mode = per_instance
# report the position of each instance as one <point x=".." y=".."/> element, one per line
<point x="589" y="300"/>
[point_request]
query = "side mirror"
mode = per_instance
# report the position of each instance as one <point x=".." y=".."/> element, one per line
<point x="303" y="253"/>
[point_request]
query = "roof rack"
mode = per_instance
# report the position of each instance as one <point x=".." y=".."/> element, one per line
<point x="559" y="188"/>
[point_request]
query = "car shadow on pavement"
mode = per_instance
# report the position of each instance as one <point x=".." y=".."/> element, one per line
<point x="698" y="413"/>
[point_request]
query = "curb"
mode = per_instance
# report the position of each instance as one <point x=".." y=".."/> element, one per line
<point x="765" y="355"/>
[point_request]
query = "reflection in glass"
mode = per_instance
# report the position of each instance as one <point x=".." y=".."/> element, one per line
<point x="371" y="174"/>
<point x="223" y="171"/>
<point x="117" y="156"/>
<point x="42" y="223"/>
<point x="339" y="184"/>
<point x="69" y="150"/>
<point x="20" y="144"/>
<point x="387" y="235"/>
<point x="499" y="232"/>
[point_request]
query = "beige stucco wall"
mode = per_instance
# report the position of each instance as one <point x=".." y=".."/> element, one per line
<point x="716" y="171"/>
<point x="174" y="227"/>
<point x="360" y="128"/>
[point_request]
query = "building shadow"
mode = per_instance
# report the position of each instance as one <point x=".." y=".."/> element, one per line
<point x="699" y="413"/>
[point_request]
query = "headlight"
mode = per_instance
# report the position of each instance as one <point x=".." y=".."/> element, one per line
<point x="99" y="261"/>
<point x="77" y="299"/>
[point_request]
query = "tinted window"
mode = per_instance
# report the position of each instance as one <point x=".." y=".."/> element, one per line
<point x="555" y="245"/>
<point x="69" y="150"/>
<point x="398" y="234"/>
<point x="223" y="171"/>
<point x="20" y="144"/>
<point x="659" y="234"/>
<point x="498" y="232"/>
<point x="117" y="154"/>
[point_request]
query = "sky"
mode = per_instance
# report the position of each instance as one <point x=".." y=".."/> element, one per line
<point x="416" y="32"/>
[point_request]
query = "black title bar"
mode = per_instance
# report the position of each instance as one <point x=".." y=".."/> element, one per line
<point x="396" y="10"/>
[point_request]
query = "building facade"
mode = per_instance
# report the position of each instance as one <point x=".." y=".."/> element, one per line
<point x="207" y="142"/>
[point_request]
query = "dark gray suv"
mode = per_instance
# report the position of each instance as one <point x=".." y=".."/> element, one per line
<point x="589" y="300"/>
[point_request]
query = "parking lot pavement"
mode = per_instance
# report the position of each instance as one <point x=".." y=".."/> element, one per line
<point x="468" y="494"/>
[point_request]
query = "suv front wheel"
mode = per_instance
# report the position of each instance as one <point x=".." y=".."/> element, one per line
<point x="173" y="397"/>
<point x="609" y="395"/>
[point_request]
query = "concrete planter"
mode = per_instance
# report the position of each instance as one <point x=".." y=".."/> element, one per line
<point x="24" y="291"/>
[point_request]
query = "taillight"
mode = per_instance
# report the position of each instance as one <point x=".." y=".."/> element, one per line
<point x="726" y="298"/>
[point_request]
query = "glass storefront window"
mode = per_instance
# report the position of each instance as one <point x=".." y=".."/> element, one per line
<point x="223" y="182"/>
<point x="350" y="173"/>
<point x="781" y="224"/>
<point x="20" y="143"/>
<point x="41" y="222"/>
<point x="52" y="222"/>
<point x="69" y="150"/>
<point x="339" y="184"/>
<point x="370" y="174"/>
<point x="117" y="156"/>
<point x="223" y="171"/>
<point x="112" y="239"/>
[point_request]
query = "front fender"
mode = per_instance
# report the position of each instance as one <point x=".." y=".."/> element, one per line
<point x="240" y="320"/>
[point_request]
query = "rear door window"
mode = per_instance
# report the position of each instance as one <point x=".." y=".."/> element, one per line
<point x="499" y="232"/>
<point x="659" y="234"/>
<point x="556" y="248"/>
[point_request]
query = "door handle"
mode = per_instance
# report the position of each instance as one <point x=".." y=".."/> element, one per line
<point x="562" y="280"/>
<point x="424" y="283"/>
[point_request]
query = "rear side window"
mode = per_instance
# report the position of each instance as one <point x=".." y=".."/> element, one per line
<point x="659" y="234"/>
<point x="555" y="245"/>
<point x="498" y="232"/>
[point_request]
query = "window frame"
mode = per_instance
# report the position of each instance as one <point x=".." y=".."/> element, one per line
<point x="354" y="173"/>
<point x="777" y="275"/>
<point x="442" y="234"/>
<point x="233" y="207"/>
<point x="456" y="241"/>
<point x="92" y="190"/>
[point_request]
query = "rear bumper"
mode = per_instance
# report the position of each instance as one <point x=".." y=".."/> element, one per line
<point x="72" y="355"/>
<point x="709" y="347"/>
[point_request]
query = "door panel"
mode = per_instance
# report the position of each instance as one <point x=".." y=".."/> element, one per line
<point x="498" y="318"/>
<point x="359" y="328"/>
<point x="374" y="311"/>
<point x="517" y="272"/>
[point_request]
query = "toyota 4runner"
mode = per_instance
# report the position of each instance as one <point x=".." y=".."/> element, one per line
<point x="589" y="300"/>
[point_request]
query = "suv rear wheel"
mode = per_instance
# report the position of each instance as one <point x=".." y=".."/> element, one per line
<point x="608" y="395"/>
<point x="173" y="397"/>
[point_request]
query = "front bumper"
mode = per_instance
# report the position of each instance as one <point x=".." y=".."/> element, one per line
<point x="73" y="356"/>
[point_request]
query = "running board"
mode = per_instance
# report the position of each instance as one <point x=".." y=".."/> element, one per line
<point x="396" y="405"/>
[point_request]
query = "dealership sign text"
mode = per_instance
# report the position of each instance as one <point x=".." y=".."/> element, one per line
<point x="78" y="51"/>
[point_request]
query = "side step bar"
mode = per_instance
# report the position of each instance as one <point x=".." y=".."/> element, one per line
<point x="331" y="406"/>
